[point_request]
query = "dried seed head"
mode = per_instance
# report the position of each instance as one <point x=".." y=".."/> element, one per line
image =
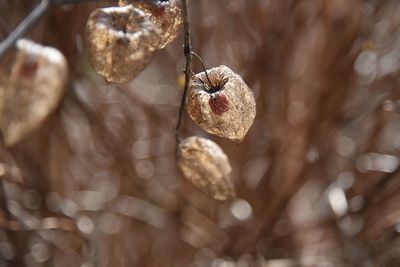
<point x="166" y="15"/>
<point x="226" y="107"/>
<point x="34" y="90"/>
<point x="205" y="164"/>
<point x="120" y="42"/>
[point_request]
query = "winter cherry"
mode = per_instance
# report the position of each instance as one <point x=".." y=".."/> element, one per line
<point x="34" y="90"/>
<point x="226" y="107"/>
<point x="206" y="165"/>
<point x="166" y="16"/>
<point x="121" y="41"/>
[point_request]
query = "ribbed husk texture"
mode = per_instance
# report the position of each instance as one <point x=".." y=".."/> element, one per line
<point x="166" y="16"/>
<point x="33" y="91"/>
<point x="206" y="165"/>
<point x="121" y="41"/>
<point x="226" y="108"/>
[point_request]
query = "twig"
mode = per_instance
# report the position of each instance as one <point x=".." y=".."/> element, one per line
<point x="204" y="67"/>
<point x="24" y="26"/>
<point x="187" y="48"/>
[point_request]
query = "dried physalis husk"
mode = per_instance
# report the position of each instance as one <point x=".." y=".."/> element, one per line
<point x="166" y="15"/>
<point x="34" y="90"/>
<point x="120" y="42"/>
<point x="226" y="107"/>
<point x="205" y="164"/>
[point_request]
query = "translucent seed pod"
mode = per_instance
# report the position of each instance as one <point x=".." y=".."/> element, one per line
<point x="206" y="165"/>
<point x="166" y="15"/>
<point x="226" y="107"/>
<point x="120" y="42"/>
<point x="34" y="90"/>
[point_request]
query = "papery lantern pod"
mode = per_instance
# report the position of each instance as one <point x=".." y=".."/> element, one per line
<point x="121" y="41"/>
<point x="206" y="165"/>
<point x="166" y="16"/>
<point x="34" y="90"/>
<point x="226" y="107"/>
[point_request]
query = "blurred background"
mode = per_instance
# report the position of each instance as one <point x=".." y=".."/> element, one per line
<point x="316" y="177"/>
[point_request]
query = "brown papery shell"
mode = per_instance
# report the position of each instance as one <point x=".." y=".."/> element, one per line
<point x="34" y="90"/>
<point x="120" y="42"/>
<point x="166" y="15"/>
<point x="227" y="108"/>
<point x="206" y="165"/>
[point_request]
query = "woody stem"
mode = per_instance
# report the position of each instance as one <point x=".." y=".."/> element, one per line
<point x="188" y="69"/>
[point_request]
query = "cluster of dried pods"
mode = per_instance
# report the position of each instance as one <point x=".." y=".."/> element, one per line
<point x="121" y="42"/>
<point x="222" y="104"/>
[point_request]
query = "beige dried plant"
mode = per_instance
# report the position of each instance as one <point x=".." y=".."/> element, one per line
<point x="120" y="42"/>
<point x="206" y="165"/>
<point x="34" y="90"/>
<point x="166" y="16"/>
<point x="226" y="107"/>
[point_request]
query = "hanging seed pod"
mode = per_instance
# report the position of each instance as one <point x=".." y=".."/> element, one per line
<point x="205" y="164"/>
<point x="166" y="15"/>
<point x="120" y="42"/>
<point x="34" y="90"/>
<point x="226" y="107"/>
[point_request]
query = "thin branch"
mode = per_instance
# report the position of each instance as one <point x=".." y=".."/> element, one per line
<point x="188" y="69"/>
<point x="204" y="67"/>
<point x="24" y="26"/>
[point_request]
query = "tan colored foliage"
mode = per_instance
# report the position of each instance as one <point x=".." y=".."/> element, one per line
<point x="316" y="178"/>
